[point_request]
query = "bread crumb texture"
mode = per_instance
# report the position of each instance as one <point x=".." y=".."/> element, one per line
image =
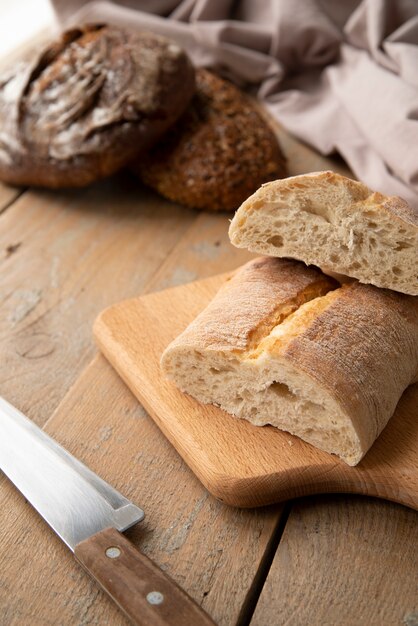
<point x="335" y="223"/>
<point x="283" y="344"/>
<point x="220" y="151"/>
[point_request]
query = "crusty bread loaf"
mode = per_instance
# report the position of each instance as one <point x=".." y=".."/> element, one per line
<point x="334" y="223"/>
<point x="220" y="150"/>
<point x="87" y="104"/>
<point x="283" y="344"/>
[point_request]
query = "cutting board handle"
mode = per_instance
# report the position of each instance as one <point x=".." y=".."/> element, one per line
<point x="136" y="584"/>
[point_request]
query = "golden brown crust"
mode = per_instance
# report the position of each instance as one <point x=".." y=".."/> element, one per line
<point x="88" y="103"/>
<point x="261" y="294"/>
<point x="218" y="153"/>
<point x="363" y="348"/>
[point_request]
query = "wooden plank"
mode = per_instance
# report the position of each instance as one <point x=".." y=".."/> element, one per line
<point x="214" y="552"/>
<point x="345" y="561"/>
<point x="66" y="256"/>
<point x="203" y="251"/>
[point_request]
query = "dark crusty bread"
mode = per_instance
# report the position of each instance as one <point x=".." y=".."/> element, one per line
<point x="335" y="223"/>
<point x="88" y="103"/>
<point x="283" y="344"/>
<point x="220" y="151"/>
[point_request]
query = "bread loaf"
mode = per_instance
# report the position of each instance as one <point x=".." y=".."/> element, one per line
<point x="220" y="151"/>
<point x="283" y="344"/>
<point x="334" y="223"/>
<point x="88" y="103"/>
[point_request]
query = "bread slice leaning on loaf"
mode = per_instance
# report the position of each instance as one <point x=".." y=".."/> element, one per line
<point x="283" y="344"/>
<point x="335" y="223"/>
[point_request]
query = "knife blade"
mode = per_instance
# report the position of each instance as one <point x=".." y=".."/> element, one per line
<point x="89" y="516"/>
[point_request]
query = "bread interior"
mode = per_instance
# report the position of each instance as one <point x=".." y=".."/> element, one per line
<point x="260" y="385"/>
<point x="336" y="227"/>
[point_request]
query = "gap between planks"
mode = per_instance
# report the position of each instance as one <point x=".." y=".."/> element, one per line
<point x="8" y="196"/>
<point x="347" y="560"/>
<point x="250" y="602"/>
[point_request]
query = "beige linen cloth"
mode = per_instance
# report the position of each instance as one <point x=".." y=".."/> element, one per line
<point x="342" y="75"/>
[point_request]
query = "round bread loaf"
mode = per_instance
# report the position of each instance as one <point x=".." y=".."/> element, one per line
<point x="217" y="154"/>
<point x="88" y="103"/>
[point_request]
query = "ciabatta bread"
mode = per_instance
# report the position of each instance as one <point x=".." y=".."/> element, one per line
<point x="283" y="344"/>
<point x="335" y="223"/>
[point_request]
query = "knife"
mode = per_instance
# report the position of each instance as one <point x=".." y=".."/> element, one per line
<point x="90" y="516"/>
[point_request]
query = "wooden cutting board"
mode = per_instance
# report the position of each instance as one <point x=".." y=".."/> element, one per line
<point x="241" y="464"/>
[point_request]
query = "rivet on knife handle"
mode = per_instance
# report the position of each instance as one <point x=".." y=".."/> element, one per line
<point x="136" y="584"/>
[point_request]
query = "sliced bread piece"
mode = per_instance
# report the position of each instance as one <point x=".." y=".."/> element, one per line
<point x="283" y="344"/>
<point x="336" y="223"/>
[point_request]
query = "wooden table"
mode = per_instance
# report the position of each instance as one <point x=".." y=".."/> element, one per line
<point x="64" y="257"/>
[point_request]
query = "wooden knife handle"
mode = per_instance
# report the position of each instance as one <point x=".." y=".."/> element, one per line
<point x="136" y="584"/>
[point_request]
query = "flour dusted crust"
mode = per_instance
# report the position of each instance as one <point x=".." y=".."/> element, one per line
<point x="88" y="103"/>
<point x="335" y="223"/>
<point x="283" y="344"/>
